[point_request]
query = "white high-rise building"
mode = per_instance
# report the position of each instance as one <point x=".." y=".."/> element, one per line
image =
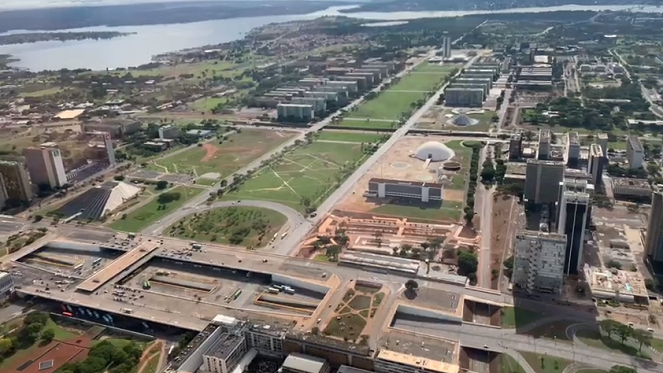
<point x="635" y="152"/>
<point x="539" y="261"/>
<point x="573" y="207"/>
<point x="446" y="47"/>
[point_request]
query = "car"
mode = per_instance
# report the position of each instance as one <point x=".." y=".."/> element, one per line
<point x="650" y="330"/>
<point x="485" y="346"/>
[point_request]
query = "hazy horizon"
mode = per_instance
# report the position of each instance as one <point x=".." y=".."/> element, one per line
<point x="37" y="4"/>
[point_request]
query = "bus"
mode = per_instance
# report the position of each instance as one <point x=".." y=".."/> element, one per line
<point x="237" y="294"/>
<point x="96" y="261"/>
<point x="273" y="290"/>
<point x="284" y="234"/>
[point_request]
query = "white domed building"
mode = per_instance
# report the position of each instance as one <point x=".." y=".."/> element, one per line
<point x="435" y="151"/>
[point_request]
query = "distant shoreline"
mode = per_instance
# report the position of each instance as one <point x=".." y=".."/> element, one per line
<point x="35" y="37"/>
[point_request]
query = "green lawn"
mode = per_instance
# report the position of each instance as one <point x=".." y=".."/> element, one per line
<point x="463" y="155"/>
<point x="60" y="334"/>
<point x="428" y="67"/>
<point x="152" y="364"/>
<point x="424" y="82"/>
<point x="545" y="363"/>
<point x="514" y="317"/>
<point x="509" y="365"/>
<point x="246" y="226"/>
<point x="387" y="105"/>
<point x="146" y="215"/>
<point x="449" y="210"/>
<point x="206" y="182"/>
<point x="367" y="123"/>
<point x="596" y="339"/>
<point x="235" y="152"/>
<point x="311" y="171"/>
<point x="207" y="104"/>
<point x="350" y="136"/>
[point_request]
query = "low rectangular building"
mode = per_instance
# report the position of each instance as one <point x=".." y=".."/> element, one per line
<point x="394" y="362"/>
<point x="629" y="188"/>
<point x="319" y="104"/>
<point x="421" y="191"/>
<point x="300" y="363"/>
<point x="465" y="97"/>
<point x="300" y="112"/>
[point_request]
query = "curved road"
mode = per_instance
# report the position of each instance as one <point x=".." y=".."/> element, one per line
<point x="295" y="219"/>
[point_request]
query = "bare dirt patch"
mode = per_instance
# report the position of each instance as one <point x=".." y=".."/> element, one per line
<point x="210" y="152"/>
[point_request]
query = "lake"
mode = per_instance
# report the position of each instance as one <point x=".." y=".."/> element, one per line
<point x="138" y="49"/>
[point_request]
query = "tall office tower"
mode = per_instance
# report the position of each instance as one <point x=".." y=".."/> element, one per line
<point x="446" y="47"/>
<point x="602" y="140"/>
<point x="16" y="186"/>
<point x="635" y="153"/>
<point x="110" y="152"/>
<point x="545" y="138"/>
<point x="573" y="208"/>
<point x="596" y="164"/>
<point x="45" y="166"/>
<point x="572" y="146"/>
<point x="654" y="240"/>
<point x="515" y="146"/>
<point x="539" y="261"/>
<point x="542" y="180"/>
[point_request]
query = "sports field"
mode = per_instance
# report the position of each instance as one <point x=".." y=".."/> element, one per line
<point x="235" y="152"/>
<point x="151" y="212"/>
<point x="311" y="171"/>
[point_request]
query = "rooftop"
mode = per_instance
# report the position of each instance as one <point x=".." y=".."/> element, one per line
<point x="625" y="181"/>
<point x="329" y="342"/>
<point x="418" y="362"/>
<point x="572" y="138"/>
<point x="541" y="235"/>
<point x="634" y="142"/>
<point x="595" y="150"/>
<point x="304" y="363"/>
<point x="403" y="182"/>
<point x="613" y="281"/>
<point x="225" y="345"/>
<point x="419" y="345"/>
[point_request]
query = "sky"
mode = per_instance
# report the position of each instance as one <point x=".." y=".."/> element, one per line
<point x="34" y="4"/>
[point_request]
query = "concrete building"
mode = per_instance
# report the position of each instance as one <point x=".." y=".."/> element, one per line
<point x="486" y="81"/>
<point x="45" y="166"/>
<point x="596" y="164"/>
<point x="539" y="261"/>
<point x="464" y="97"/>
<point x="470" y="85"/>
<point x="6" y="285"/>
<point x="311" y="82"/>
<point x="170" y="131"/>
<point x="654" y="238"/>
<point x="16" y="186"/>
<point x="319" y="104"/>
<point x="602" y="140"/>
<point x="377" y="74"/>
<point x="635" y="152"/>
<point x="300" y="363"/>
<point x="631" y="188"/>
<point x="342" y="93"/>
<point x="116" y="128"/>
<point x="226" y="352"/>
<point x="420" y="191"/>
<point x="573" y="208"/>
<point x="298" y="112"/>
<point x="445" y="50"/>
<point x="545" y="140"/>
<point x="329" y="96"/>
<point x="388" y="361"/>
<point x="534" y="73"/>
<point x="350" y="86"/>
<point x="572" y="149"/>
<point x="542" y="180"/>
<point x="515" y="146"/>
<point x="361" y="82"/>
<point x="368" y="77"/>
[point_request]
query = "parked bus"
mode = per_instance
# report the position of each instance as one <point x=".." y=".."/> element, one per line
<point x="237" y="294"/>
<point x="284" y="234"/>
<point x="96" y="261"/>
<point x="273" y="290"/>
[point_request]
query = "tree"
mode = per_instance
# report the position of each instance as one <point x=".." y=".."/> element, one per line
<point x="411" y="285"/>
<point x="609" y="326"/>
<point x="614" y="264"/>
<point x="315" y="330"/>
<point x="469" y="215"/>
<point x="168" y="197"/>
<point x="37" y="218"/>
<point x="332" y="252"/>
<point x="624" y="332"/>
<point x="47" y="335"/>
<point x="161" y="185"/>
<point x="6" y="345"/>
<point x="643" y="337"/>
<point x="467" y="262"/>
